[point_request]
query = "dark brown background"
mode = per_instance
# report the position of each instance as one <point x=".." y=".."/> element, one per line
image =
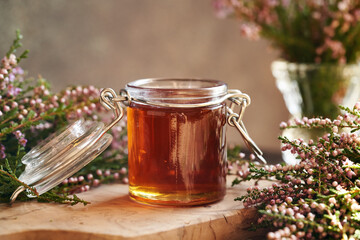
<point x="109" y="43"/>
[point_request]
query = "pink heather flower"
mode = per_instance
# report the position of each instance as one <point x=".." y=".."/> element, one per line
<point x="348" y="19"/>
<point x="18" y="134"/>
<point x="13" y="91"/>
<point x="18" y="70"/>
<point x="343" y="5"/>
<point x="96" y="182"/>
<point x="272" y="3"/>
<point x="125" y="180"/>
<point x="283" y="125"/>
<point x="12" y="59"/>
<point x="357" y="14"/>
<point x="23" y="142"/>
<point x="107" y="173"/>
<point x="285" y="3"/>
<point x="222" y="8"/>
<point x="357" y="106"/>
<point x="14" y="104"/>
<point x="11" y="77"/>
<point x="316" y="15"/>
<point x="123" y="170"/>
<point x="116" y="175"/>
<point x="73" y="180"/>
<point x="336" y="47"/>
<point x="250" y="31"/>
<point x="4" y="71"/>
<point x="6" y="108"/>
<point x="89" y="176"/>
<point x="337" y="122"/>
<point x="309" y="181"/>
<point x="335" y="129"/>
<point x="332" y="200"/>
<point x="99" y="172"/>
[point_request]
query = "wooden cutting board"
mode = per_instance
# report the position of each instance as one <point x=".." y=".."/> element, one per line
<point x="112" y="215"/>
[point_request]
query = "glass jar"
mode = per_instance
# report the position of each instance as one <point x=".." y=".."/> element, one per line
<point x="177" y="154"/>
<point x="176" y="141"/>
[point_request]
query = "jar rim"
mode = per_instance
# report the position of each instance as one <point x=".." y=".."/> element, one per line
<point x="284" y="65"/>
<point x="176" y="88"/>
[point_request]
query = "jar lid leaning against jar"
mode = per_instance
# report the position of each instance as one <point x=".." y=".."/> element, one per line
<point x="176" y="141"/>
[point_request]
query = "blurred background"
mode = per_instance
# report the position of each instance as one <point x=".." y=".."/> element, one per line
<point x="109" y="43"/>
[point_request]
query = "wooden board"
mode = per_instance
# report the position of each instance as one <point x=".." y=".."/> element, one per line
<point x="112" y="215"/>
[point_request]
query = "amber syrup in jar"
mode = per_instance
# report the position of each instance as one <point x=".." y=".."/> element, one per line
<point x="177" y="156"/>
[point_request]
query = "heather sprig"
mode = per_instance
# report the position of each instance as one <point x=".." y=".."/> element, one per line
<point x="320" y="196"/>
<point x="80" y="183"/>
<point x="30" y="112"/>
<point x="305" y="31"/>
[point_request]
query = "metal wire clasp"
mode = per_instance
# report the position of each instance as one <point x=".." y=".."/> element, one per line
<point x="110" y="100"/>
<point x="242" y="100"/>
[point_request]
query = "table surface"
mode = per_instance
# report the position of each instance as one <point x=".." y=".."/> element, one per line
<point x="112" y="215"/>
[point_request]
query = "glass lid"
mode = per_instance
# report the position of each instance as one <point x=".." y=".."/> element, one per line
<point x="63" y="154"/>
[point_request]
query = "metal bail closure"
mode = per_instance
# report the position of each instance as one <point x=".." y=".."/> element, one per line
<point x="64" y="153"/>
<point x="242" y="100"/>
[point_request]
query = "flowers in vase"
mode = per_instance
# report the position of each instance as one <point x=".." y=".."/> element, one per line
<point x="305" y="31"/>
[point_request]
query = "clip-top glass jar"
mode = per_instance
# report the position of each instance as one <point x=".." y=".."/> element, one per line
<point x="177" y="154"/>
<point x="176" y="141"/>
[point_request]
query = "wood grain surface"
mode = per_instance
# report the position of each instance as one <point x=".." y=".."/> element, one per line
<point x="112" y="215"/>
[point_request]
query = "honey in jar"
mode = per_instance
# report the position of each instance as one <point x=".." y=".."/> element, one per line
<point x="177" y="149"/>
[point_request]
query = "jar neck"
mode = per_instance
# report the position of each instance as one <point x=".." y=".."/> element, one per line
<point x="176" y="91"/>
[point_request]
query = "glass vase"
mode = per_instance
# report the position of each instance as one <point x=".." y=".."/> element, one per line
<point x="313" y="90"/>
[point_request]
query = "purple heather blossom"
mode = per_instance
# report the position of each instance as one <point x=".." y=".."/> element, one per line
<point x="18" y="70"/>
<point x="13" y="91"/>
<point x="11" y="77"/>
<point x="222" y="8"/>
<point x="250" y="31"/>
<point x="18" y="134"/>
<point x="23" y="142"/>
